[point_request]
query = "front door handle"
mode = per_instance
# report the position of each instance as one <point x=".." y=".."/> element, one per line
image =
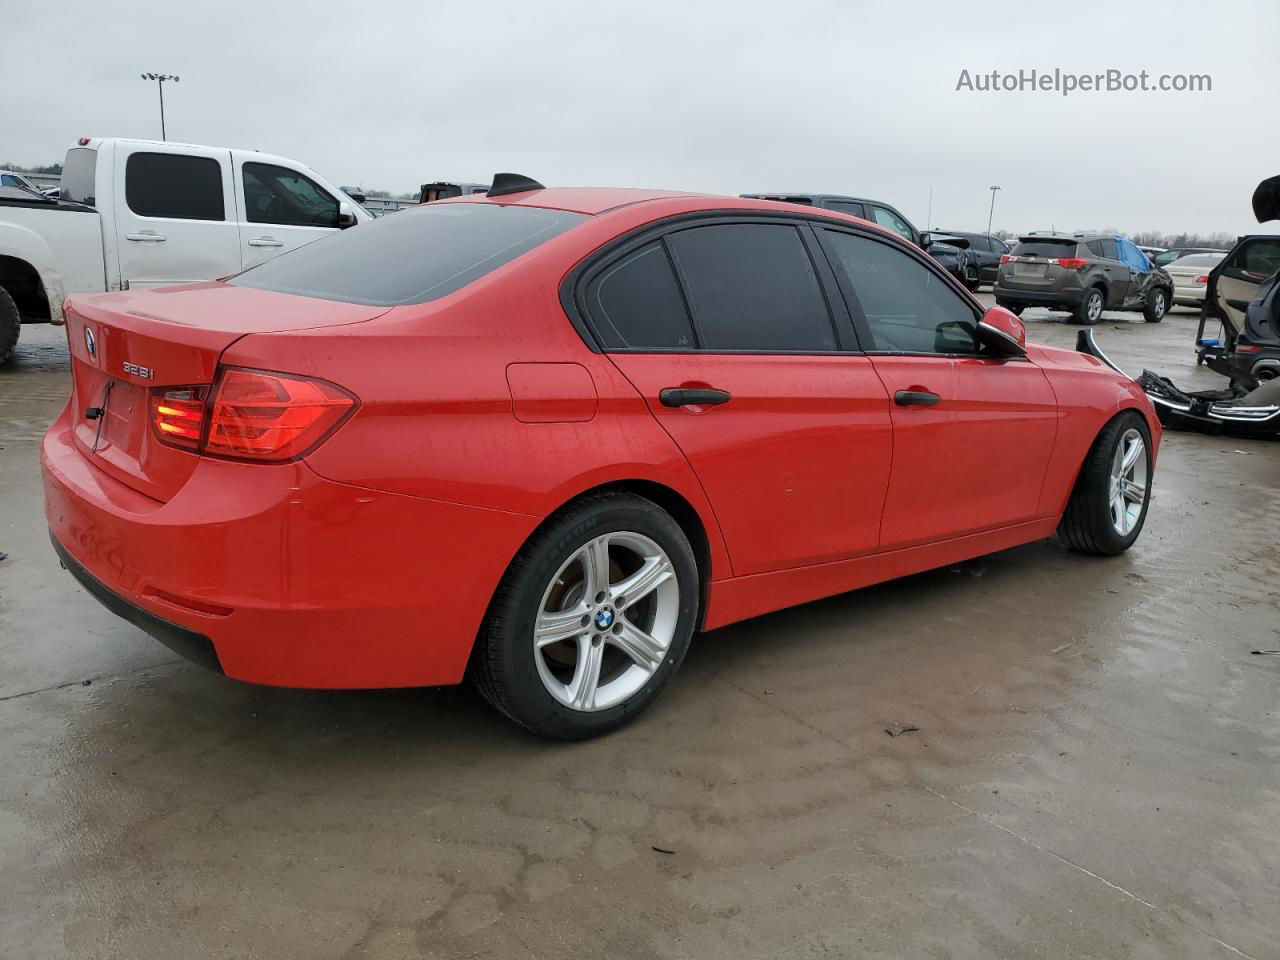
<point x="265" y="242"/>
<point x="145" y="237"/>
<point x="692" y="397"/>
<point x="915" y="398"/>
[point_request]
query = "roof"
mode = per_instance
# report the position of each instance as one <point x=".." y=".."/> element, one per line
<point x="812" y="196"/>
<point x="588" y="200"/>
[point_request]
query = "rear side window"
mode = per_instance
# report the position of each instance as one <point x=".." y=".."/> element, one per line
<point x="637" y="304"/>
<point x="1047" y="249"/>
<point x="752" y="286"/>
<point x="78" y="175"/>
<point x="174" y="186"/>
<point x="1095" y="248"/>
<point x="845" y="206"/>
<point x="418" y="255"/>
<point x="909" y="308"/>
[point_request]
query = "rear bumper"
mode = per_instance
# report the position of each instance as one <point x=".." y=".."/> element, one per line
<point x="1188" y="295"/>
<point x="280" y="576"/>
<point x="1068" y="297"/>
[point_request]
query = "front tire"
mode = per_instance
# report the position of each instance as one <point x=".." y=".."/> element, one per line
<point x="10" y="326"/>
<point x="1089" y="311"/>
<point x="591" y="620"/>
<point x="1157" y="305"/>
<point x="1108" y="506"/>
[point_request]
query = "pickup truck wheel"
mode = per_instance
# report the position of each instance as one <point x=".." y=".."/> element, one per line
<point x="1090" y="309"/>
<point x="10" y="324"/>
<point x="1156" y="307"/>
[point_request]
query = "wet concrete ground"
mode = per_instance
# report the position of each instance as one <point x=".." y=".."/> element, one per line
<point x="1096" y="774"/>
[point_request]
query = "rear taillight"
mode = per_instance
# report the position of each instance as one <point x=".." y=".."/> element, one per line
<point x="1241" y="348"/>
<point x="252" y="415"/>
<point x="1005" y="258"/>
<point x="1203" y="278"/>
<point x="178" y="415"/>
<point x="1071" y="263"/>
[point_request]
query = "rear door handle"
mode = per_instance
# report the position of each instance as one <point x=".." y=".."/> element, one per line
<point x="145" y="237"/>
<point x="915" y="398"/>
<point x="687" y="397"/>
<point x="265" y="242"/>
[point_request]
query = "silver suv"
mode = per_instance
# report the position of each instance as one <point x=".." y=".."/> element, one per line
<point x="1084" y="274"/>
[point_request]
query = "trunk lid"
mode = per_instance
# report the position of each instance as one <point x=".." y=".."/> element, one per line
<point x="1033" y="264"/>
<point x="126" y="345"/>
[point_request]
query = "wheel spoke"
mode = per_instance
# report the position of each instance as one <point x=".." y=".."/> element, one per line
<point x="554" y="626"/>
<point x="638" y="645"/>
<point x="1131" y="455"/>
<point x="1118" y="513"/>
<point x="595" y="567"/>
<point x="586" y="675"/>
<point x="654" y="573"/>
<point x="1134" y="492"/>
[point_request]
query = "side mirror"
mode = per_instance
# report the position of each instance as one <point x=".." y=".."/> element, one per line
<point x="1002" y="333"/>
<point x="346" y="216"/>
<point x="926" y="240"/>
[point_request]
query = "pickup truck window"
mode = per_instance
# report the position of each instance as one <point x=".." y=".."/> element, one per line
<point x="420" y="254"/>
<point x="78" y="176"/>
<point x="175" y="186"/>
<point x="279" y="195"/>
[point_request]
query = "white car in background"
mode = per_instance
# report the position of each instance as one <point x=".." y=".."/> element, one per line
<point x="1190" y="276"/>
<point x="10" y="179"/>
<point x="142" y="213"/>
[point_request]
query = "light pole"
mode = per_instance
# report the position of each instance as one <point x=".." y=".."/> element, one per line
<point x="992" y="211"/>
<point x="160" y="78"/>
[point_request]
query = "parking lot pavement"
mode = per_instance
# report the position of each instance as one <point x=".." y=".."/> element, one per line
<point x="1095" y="772"/>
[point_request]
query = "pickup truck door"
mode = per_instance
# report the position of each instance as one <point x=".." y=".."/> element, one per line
<point x="175" y="215"/>
<point x="281" y="209"/>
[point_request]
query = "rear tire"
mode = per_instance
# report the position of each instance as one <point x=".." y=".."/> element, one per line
<point x="564" y="651"/>
<point x="10" y="326"/>
<point x="1089" y="311"/>
<point x="1157" y="305"/>
<point x="1014" y="308"/>
<point x="972" y="280"/>
<point x="1108" y="506"/>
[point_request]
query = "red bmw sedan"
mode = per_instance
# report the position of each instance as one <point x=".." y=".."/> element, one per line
<point x="540" y="437"/>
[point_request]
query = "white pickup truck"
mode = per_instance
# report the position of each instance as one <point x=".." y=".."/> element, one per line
<point x="143" y="213"/>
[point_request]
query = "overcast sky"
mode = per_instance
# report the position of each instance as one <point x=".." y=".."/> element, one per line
<point x="840" y="97"/>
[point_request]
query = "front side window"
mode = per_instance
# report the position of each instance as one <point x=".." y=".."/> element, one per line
<point x="889" y="219"/>
<point x="908" y="307"/>
<point x="279" y="195"/>
<point x="636" y="303"/>
<point x="1109" y="248"/>
<point x="174" y="186"/>
<point x="752" y="286"/>
<point x="420" y="254"/>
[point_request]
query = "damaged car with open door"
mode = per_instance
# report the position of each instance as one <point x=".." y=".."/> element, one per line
<point x="1243" y="295"/>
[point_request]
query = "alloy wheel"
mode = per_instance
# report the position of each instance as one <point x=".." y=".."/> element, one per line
<point x="1128" y="490"/>
<point x="606" y="621"/>
<point x="1094" y="307"/>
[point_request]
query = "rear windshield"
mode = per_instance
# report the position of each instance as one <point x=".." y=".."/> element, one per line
<point x="417" y="255"/>
<point x="1050" y="249"/>
<point x="1199" y="260"/>
<point x="78" y="176"/>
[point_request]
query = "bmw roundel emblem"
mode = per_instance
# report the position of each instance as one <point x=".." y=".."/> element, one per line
<point x="604" y="619"/>
<point x="90" y="343"/>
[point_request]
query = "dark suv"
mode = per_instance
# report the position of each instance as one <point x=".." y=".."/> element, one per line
<point x="986" y="249"/>
<point x="951" y="251"/>
<point x="1084" y="274"/>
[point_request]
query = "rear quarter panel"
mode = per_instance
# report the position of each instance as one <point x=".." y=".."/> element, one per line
<point x="1089" y="395"/>
<point x="437" y="417"/>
